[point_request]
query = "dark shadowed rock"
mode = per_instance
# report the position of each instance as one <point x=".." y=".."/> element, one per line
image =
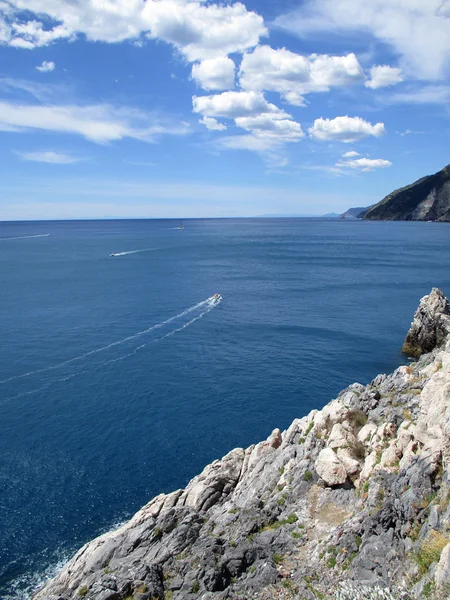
<point x="427" y="199"/>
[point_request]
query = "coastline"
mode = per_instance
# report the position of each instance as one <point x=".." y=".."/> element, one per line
<point x="358" y="491"/>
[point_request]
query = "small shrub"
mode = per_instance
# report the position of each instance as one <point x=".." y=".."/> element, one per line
<point x="307" y="476"/>
<point x="331" y="562"/>
<point x="252" y="569"/>
<point x="310" y="426"/>
<point x="296" y="535"/>
<point x="281" y="501"/>
<point x="83" y="590"/>
<point x="281" y="470"/>
<point x="277" y="558"/>
<point x="292" y="519"/>
<point x="233" y="544"/>
<point x="301" y="440"/>
<point x="358" y="417"/>
<point x="195" y="587"/>
<point x="358" y="449"/>
<point x="233" y="511"/>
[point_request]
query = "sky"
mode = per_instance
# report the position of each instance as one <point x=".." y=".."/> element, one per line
<point x="187" y="108"/>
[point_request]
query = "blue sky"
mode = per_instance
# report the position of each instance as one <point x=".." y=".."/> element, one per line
<point x="176" y="108"/>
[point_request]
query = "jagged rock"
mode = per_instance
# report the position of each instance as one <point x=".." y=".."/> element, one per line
<point x="430" y="326"/>
<point x="442" y="573"/>
<point x="282" y="515"/>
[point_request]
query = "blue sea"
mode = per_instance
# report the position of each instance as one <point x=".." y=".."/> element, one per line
<point x="121" y="377"/>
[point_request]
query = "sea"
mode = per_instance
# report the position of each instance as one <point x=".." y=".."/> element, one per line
<point x="121" y="376"/>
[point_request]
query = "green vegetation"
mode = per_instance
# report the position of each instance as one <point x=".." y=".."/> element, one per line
<point x="281" y="470"/>
<point x="252" y="569"/>
<point x="233" y="544"/>
<point x="296" y="535"/>
<point x="331" y="562"/>
<point x="83" y="590"/>
<point x="168" y="595"/>
<point x="310" y="426"/>
<point x="307" y="476"/>
<point x="277" y="558"/>
<point x="311" y="588"/>
<point x="233" y="511"/>
<point x="195" y="587"/>
<point x="430" y="551"/>
<point x="301" y="440"/>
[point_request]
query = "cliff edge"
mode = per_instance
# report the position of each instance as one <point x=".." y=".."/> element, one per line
<point x="350" y="502"/>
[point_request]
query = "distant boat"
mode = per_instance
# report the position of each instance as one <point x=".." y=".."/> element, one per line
<point x="180" y="226"/>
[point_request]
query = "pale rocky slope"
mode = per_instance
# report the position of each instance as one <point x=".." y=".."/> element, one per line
<point x="357" y="492"/>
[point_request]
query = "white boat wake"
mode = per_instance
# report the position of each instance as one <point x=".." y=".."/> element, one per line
<point x="133" y="252"/>
<point x="26" y="237"/>
<point x="119" y="350"/>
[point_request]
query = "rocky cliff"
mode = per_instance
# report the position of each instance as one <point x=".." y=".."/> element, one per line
<point x="427" y="199"/>
<point x="354" y="213"/>
<point x="350" y="502"/>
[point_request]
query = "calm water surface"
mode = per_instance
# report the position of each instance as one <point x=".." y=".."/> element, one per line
<point x="120" y="380"/>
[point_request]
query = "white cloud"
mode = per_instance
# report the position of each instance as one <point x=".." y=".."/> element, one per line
<point x="46" y="67"/>
<point x="344" y="129"/>
<point x="214" y="73"/>
<point x="271" y="127"/>
<point x="100" y="123"/>
<point x="234" y="104"/>
<point x="365" y="164"/>
<point x="383" y="76"/>
<point x="212" y="124"/>
<point x="350" y="154"/>
<point x="417" y="30"/>
<point x="198" y="30"/>
<point x="57" y="158"/>
<point x="293" y="75"/>
<point x="429" y="94"/>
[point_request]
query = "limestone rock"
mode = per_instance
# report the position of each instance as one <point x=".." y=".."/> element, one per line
<point x="430" y="326"/>
<point x="330" y="467"/>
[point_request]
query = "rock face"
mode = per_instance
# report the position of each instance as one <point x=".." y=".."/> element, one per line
<point x="431" y="325"/>
<point x="354" y="213"/>
<point x="427" y="199"/>
<point x="350" y="502"/>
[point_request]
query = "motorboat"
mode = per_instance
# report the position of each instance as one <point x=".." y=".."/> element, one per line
<point x="180" y="226"/>
<point x="217" y="297"/>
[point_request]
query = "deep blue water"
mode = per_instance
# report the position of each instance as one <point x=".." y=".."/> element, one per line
<point x="309" y="306"/>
